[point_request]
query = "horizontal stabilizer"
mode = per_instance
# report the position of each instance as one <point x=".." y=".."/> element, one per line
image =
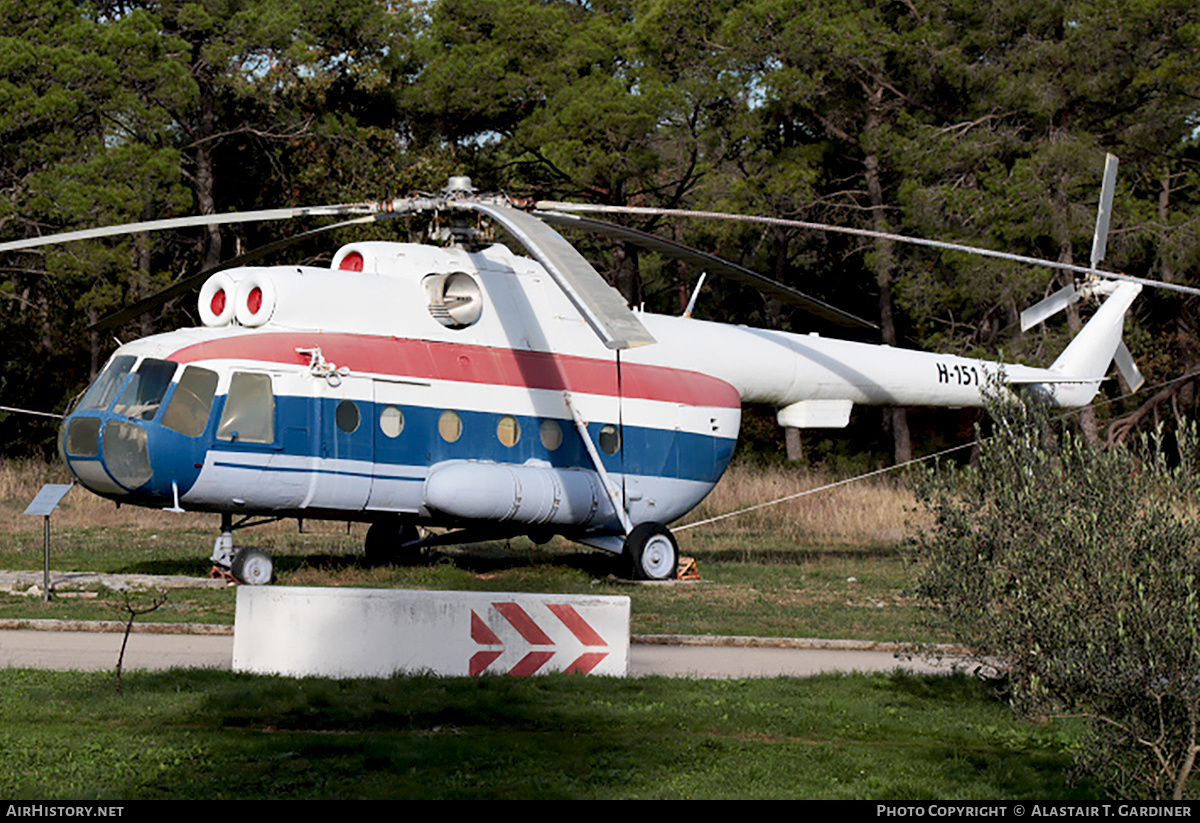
<point x="1035" y="380"/>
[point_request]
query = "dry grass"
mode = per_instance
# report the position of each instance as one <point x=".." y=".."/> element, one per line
<point x="866" y="512"/>
<point x="869" y="512"/>
<point x="20" y="481"/>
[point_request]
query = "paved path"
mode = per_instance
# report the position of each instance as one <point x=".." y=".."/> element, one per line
<point x="92" y="646"/>
<point x="22" y="582"/>
<point x="152" y="648"/>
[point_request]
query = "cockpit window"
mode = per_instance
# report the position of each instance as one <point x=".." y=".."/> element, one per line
<point x="102" y="392"/>
<point x="249" y="415"/>
<point x="190" y="405"/>
<point x="144" y="392"/>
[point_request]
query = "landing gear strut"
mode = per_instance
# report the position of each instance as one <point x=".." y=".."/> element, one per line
<point x="251" y="566"/>
<point x="652" y="552"/>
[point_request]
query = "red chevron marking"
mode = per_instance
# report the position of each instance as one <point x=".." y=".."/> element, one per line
<point x="577" y="625"/>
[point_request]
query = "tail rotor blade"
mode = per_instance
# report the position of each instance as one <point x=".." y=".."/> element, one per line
<point x="1128" y="369"/>
<point x="1052" y="305"/>
<point x="1104" y="212"/>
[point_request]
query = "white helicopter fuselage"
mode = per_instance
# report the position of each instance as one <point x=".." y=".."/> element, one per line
<point x="452" y="388"/>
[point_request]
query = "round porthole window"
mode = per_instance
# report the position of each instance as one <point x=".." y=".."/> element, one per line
<point x="348" y="417"/>
<point x="551" y="434"/>
<point x="391" y="422"/>
<point x="450" y="426"/>
<point x="508" y="430"/>
<point x="610" y="439"/>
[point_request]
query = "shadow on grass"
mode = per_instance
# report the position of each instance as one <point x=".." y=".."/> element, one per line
<point x="474" y="560"/>
<point x="186" y="567"/>
<point x="408" y="737"/>
<point x="560" y="737"/>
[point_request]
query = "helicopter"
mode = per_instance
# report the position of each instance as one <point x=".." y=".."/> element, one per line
<point x="470" y="388"/>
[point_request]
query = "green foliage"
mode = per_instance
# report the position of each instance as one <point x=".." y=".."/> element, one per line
<point x="951" y="119"/>
<point x="1075" y="572"/>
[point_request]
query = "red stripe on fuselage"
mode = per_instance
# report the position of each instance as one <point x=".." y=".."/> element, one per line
<point x="428" y="360"/>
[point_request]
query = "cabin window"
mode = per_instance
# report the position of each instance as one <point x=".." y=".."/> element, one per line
<point x="508" y="430"/>
<point x="391" y="421"/>
<point x="190" y="405"/>
<point x="144" y="390"/>
<point x="347" y="416"/>
<point x="450" y="426"/>
<point x="102" y="392"/>
<point x="83" y="437"/>
<point x="551" y="434"/>
<point x="610" y="439"/>
<point x="249" y="415"/>
<point x="125" y="453"/>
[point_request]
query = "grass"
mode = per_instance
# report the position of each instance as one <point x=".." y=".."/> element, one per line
<point x="855" y="596"/>
<point x="199" y="734"/>
<point x="825" y="565"/>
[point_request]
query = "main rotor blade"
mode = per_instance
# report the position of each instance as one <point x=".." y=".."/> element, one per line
<point x="155" y="300"/>
<point x="1044" y="309"/>
<point x="600" y="304"/>
<point x="711" y="263"/>
<point x="199" y="220"/>
<point x="553" y="205"/>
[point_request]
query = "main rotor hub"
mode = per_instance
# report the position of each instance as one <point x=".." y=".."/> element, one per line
<point x="459" y="187"/>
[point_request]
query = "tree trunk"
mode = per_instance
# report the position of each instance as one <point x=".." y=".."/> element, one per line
<point x="205" y="177"/>
<point x="884" y="266"/>
<point x="794" y="443"/>
<point x="627" y="278"/>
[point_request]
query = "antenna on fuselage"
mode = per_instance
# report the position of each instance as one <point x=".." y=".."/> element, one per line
<point x="695" y="293"/>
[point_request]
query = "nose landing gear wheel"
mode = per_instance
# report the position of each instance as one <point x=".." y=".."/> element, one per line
<point x="253" y="567"/>
<point x="652" y="552"/>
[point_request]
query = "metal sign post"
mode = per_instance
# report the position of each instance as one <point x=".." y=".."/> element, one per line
<point x="44" y="504"/>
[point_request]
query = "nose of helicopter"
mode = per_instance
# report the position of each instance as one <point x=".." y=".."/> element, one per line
<point x="110" y="457"/>
<point x="115" y="441"/>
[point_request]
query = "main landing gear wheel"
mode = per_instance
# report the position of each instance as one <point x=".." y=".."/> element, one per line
<point x="392" y="541"/>
<point x="253" y="567"/>
<point x="652" y="552"/>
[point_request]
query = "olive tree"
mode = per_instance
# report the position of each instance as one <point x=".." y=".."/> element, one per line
<point x="1075" y="571"/>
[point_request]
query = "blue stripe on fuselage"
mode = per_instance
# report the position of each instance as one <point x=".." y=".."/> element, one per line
<point x="648" y="451"/>
<point x="307" y="427"/>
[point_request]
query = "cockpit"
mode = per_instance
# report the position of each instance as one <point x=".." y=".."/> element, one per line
<point x="106" y="438"/>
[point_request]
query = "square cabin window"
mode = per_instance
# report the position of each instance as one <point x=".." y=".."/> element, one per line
<point x="249" y="415"/>
<point x="102" y="392"/>
<point x="190" y="405"/>
<point x="144" y="392"/>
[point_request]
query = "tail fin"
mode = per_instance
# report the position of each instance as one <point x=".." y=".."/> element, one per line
<point x="1090" y="353"/>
